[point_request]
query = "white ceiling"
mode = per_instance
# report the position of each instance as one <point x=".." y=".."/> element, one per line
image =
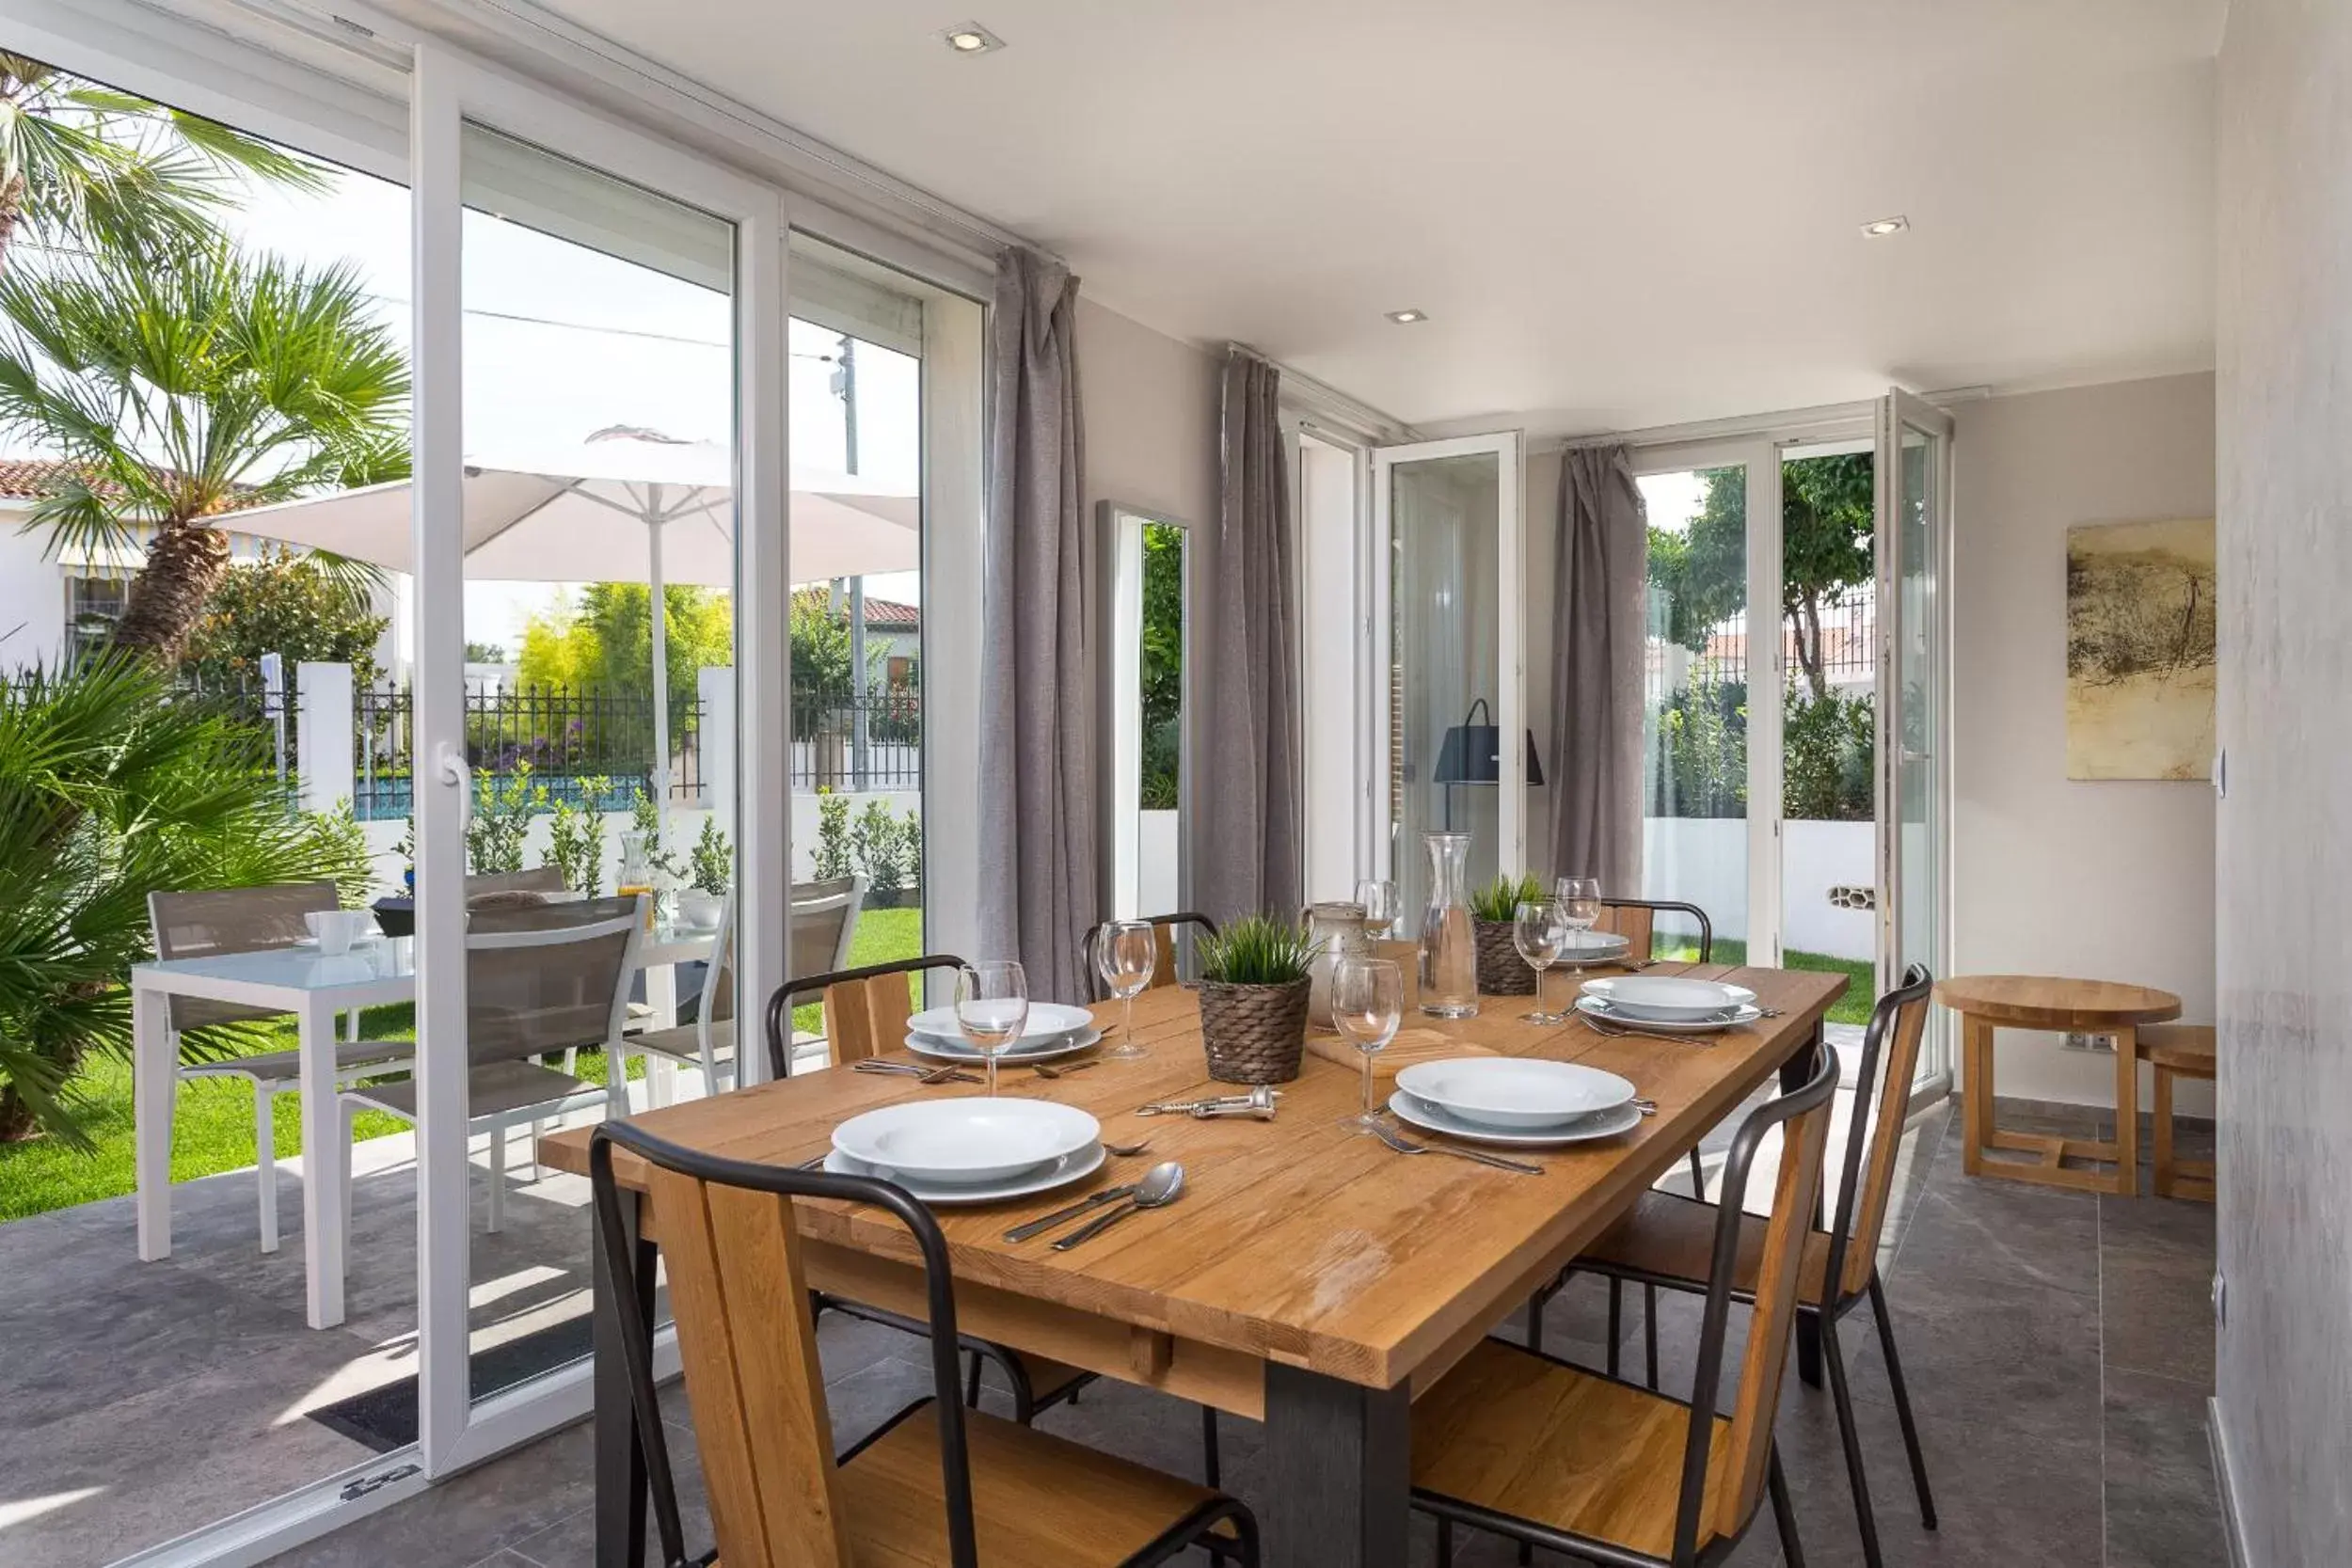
<point x="1618" y="213"/>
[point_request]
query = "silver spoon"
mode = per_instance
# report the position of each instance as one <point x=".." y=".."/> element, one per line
<point x="1161" y="1185"/>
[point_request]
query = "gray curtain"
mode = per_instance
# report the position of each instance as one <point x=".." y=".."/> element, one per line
<point x="1036" y="861"/>
<point x="1249" y="855"/>
<point x="1598" y="587"/>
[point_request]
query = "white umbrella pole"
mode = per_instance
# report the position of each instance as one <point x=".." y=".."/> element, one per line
<point x="660" y="670"/>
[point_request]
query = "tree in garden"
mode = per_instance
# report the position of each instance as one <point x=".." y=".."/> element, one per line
<point x="1827" y="519"/>
<point x="110" y="791"/>
<point x="604" y="641"/>
<point x="291" y="605"/>
<point x="1163" y="664"/>
<point x="86" y="168"/>
<point x="182" y="392"/>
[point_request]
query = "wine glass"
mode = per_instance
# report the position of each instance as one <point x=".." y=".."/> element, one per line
<point x="1367" y="1003"/>
<point x="1539" y="929"/>
<point x="1378" y="899"/>
<point x="1126" y="956"/>
<point x="992" y="1008"/>
<point x="1579" y="909"/>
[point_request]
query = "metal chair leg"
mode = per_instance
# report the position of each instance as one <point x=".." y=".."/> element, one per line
<point x="1784" y="1514"/>
<point x="1902" y="1401"/>
<point x="1698" y="1175"/>
<point x="1833" y="1352"/>
<point x="497" y="1175"/>
<point x="266" y="1160"/>
<point x="1650" y="1330"/>
<point x="1445" y="1543"/>
<point x="972" y="1383"/>
<point x="1211" y="1460"/>
<point x="1616" y="1309"/>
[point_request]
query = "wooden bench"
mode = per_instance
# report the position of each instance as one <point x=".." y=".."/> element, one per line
<point x="2178" y="1050"/>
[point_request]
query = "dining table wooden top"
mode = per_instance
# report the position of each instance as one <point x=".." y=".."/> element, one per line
<point x="1298" y="1241"/>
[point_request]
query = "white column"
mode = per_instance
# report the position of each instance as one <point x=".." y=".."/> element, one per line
<point x="714" y="687"/>
<point x="323" y="741"/>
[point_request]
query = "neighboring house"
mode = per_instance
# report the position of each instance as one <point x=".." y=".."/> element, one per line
<point x="893" y="627"/>
<point x="52" y="604"/>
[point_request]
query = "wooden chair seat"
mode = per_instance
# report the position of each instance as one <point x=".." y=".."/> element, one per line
<point x="2178" y="1050"/>
<point x="2186" y="1049"/>
<point x="1039" y="1500"/>
<point x="1524" y="1435"/>
<point x="1670" y="1239"/>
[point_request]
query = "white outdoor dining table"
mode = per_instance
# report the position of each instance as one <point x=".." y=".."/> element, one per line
<point x="315" y="990"/>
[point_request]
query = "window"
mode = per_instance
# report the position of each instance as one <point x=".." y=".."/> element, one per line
<point x="93" y="606"/>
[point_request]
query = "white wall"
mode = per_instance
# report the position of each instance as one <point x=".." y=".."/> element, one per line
<point x="2102" y="879"/>
<point x="32" y="595"/>
<point x="2284" y="1392"/>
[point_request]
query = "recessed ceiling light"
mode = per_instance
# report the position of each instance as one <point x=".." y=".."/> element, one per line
<point x="970" y="38"/>
<point x="1879" y="228"/>
<point x="1407" y="318"/>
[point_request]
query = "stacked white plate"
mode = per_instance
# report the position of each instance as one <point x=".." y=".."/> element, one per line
<point x="1668" y="1002"/>
<point x="1592" y="947"/>
<point x="1507" y="1100"/>
<point x="1053" y="1030"/>
<point x="973" y="1150"/>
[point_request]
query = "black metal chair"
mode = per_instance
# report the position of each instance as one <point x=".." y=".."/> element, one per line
<point x="1164" y="927"/>
<point x="1657" y="1242"/>
<point x="755" y="1387"/>
<point x="1636" y="920"/>
<point x="1605" y="1439"/>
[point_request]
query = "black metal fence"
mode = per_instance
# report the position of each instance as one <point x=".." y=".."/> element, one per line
<point x="565" y="738"/>
<point x="877" y="744"/>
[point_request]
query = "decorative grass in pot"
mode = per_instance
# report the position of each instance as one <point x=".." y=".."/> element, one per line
<point x="1254" y="980"/>
<point x="1494" y="909"/>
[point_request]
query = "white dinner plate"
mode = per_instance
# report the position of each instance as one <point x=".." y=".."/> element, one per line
<point x="1069" y="1168"/>
<point x="1432" y="1119"/>
<point x="1591" y="947"/>
<point x="311" y="943"/>
<point x="1513" y="1092"/>
<point x="1731" y="1020"/>
<point x="965" y="1140"/>
<point x="1027" y="1050"/>
<point x="1667" y="997"/>
<point x="1048" y="1020"/>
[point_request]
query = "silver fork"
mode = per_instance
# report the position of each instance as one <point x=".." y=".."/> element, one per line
<point x="1403" y="1145"/>
<point x="1619" y="1032"/>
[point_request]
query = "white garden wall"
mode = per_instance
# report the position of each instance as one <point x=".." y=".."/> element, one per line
<point x="1704" y="861"/>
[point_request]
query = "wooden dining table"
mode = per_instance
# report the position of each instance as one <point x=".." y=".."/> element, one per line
<point x="1310" y="1277"/>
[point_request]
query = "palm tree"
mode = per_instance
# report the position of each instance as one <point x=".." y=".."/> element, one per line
<point x="83" y="167"/>
<point x="110" y="789"/>
<point x="182" y="392"/>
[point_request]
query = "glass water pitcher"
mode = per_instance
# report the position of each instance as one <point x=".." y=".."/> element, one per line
<point x="1449" y="949"/>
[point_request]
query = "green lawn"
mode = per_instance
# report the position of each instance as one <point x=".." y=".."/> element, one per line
<point x="1853" y="1007"/>
<point x="212" y="1128"/>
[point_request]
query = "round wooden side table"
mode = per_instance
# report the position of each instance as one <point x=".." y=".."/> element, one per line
<point x="1989" y="1002"/>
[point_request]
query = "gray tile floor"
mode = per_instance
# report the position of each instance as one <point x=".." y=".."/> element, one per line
<point x="2057" y="1343"/>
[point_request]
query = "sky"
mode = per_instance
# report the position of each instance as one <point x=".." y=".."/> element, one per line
<point x="562" y="340"/>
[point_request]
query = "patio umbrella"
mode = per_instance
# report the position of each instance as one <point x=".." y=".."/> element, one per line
<point x="595" y="510"/>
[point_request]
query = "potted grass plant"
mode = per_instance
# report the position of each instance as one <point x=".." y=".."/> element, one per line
<point x="1494" y="909"/>
<point x="1254" y="980"/>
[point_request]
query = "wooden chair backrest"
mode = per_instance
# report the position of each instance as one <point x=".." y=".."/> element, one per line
<point x="866" y="1017"/>
<point x="1890" y="1060"/>
<point x="1803" y="1117"/>
<point x="755" y="1386"/>
<point x="1636" y="920"/>
<point x="824" y="923"/>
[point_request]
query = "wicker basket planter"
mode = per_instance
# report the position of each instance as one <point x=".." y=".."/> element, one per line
<point x="1254" y="1033"/>
<point x="1500" y="969"/>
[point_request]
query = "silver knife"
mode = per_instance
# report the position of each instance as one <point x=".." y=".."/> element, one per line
<point x="1059" y="1216"/>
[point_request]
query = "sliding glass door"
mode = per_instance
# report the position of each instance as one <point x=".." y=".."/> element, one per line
<point x="1450" y="725"/>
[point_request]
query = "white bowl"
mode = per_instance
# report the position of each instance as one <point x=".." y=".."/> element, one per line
<point x="965" y="1140"/>
<point x="1048" y="1020"/>
<point x="1514" y="1091"/>
<point x="1584" y="946"/>
<point x="1668" y="998"/>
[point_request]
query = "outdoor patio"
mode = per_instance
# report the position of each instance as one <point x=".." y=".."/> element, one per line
<point x="146" y="1398"/>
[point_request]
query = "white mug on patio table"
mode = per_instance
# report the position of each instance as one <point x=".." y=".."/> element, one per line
<point x="337" y="929"/>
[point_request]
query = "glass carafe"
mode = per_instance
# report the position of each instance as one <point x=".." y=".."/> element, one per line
<point x="1449" y="950"/>
<point x="635" y="875"/>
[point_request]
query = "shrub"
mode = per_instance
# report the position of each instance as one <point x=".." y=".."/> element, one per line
<point x="714" y="860"/>
<point x="1828" y="749"/>
<point x="879" y="849"/>
<point x="1257" y="950"/>
<point x="832" y="836"/>
<point x="504" y="805"/>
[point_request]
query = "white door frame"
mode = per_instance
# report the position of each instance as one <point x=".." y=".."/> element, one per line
<point x="1900" y="411"/>
<point x="450" y="90"/>
<point x="1509" y="449"/>
<point x="1768" y="660"/>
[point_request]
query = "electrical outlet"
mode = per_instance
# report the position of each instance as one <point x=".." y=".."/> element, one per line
<point x="2077" y="1040"/>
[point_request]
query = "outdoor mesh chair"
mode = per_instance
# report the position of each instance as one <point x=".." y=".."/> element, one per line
<point x="251" y="919"/>
<point x="539" y="879"/>
<point x="538" y="982"/>
<point x="824" y="924"/>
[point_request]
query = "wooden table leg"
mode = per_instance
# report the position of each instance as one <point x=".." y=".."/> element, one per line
<point x="1340" y="1471"/>
<point x="2162" y="1119"/>
<point x="620" y="1461"/>
<point x="1793" y="1073"/>
<point x="2126" y="1111"/>
<point x="1977" y="1095"/>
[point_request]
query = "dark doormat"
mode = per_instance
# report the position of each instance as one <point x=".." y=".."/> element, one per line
<point x="385" y="1419"/>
